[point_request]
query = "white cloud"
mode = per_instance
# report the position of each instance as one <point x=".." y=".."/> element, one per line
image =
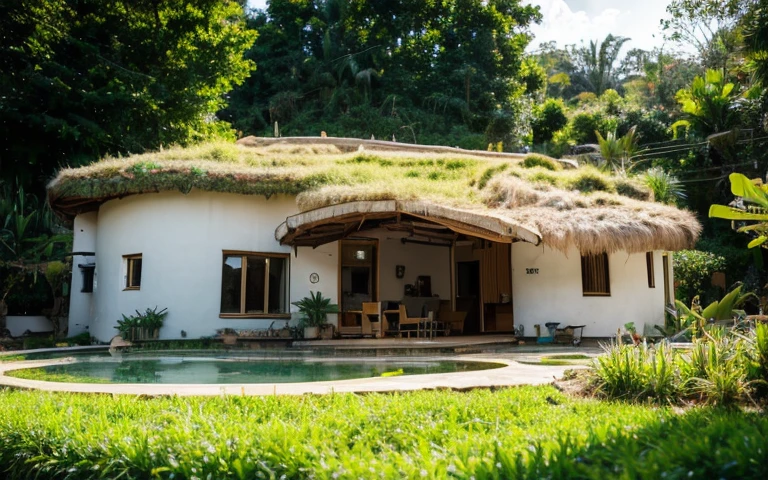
<point x="638" y="20"/>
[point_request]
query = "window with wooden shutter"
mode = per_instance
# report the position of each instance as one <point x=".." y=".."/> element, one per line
<point x="595" y="280"/>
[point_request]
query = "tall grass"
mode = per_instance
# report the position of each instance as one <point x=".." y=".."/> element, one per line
<point x="721" y="368"/>
<point x="633" y="372"/>
<point x="531" y="432"/>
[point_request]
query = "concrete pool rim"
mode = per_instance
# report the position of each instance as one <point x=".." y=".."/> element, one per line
<point x="511" y="374"/>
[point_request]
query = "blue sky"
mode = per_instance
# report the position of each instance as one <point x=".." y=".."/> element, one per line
<point x="572" y="21"/>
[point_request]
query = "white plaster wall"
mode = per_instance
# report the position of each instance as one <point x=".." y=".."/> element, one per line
<point x="17" y="325"/>
<point x="555" y="293"/>
<point x="81" y="304"/>
<point x="181" y="239"/>
<point x="434" y="261"/>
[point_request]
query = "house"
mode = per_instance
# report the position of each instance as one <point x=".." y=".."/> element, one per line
<point x="228" y="235"/>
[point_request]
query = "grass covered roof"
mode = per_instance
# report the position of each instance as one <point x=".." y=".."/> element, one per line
<point x="561" y="206"/>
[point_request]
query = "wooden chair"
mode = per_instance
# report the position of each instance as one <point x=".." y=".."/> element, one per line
<point x="405" y="320"/>
<point x="372" y="320"/>
<point x="451" y="321"/>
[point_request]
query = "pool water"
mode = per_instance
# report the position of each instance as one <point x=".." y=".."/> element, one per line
<point x="220" y="371"/>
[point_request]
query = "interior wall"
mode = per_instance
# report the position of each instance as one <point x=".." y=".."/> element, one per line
<point x="547" y="288"/>
<point x="418" y="260"/>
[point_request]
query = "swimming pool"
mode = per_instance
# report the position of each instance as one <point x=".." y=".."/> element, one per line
<point x="169" y="369"/>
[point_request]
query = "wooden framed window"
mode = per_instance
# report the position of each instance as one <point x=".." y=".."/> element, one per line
<point x="649" y="269"/>
<point x="595" y="280"/>
<point x="254" y="285"/>
<point x="132" y="271"/>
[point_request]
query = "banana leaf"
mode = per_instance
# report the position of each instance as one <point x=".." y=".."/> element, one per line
<point x="743" y="187"/>
<point x="730" y="213"/>
<point x="711" y="311"/>
<point x="757" y="242"/>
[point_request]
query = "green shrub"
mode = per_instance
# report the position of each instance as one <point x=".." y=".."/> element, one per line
<point x="583" y="127"/>
<point x="722" y="368"/>
<point x="81" y="339"/>
<point x="31" y="343"/>
<point x="587" y="181"/>
<point x="548" y="118"/>
<point x="693" y="272"/>
<point x="621" y="371"/>
<point x="724" y="382"/>
<point x="537" y="160"/>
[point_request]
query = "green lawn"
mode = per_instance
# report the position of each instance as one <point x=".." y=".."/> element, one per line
<point x="529" y="432"/>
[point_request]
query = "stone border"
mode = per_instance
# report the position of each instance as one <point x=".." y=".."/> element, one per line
<point x="513" y="374"/>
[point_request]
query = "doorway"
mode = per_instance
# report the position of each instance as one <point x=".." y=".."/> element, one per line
<point x="358" y="275"/>
<point x="468" y="294"/>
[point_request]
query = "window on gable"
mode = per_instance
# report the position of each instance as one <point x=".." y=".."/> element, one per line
<point x="254" y="284"/>
<point x="649" y="269"/>
<point x="132" y="272"/>
<point x="595" y="280"/>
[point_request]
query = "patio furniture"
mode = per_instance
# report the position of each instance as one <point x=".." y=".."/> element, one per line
<point x="451" y="321"/>
<point x="405" y="321"/>
<point x="372" y="319"/>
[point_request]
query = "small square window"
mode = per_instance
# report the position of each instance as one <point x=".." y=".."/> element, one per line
<point x="132" y="272"/>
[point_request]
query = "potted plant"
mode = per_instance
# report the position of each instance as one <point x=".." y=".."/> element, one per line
<point x="315" y="309"/>
<point x="142" y="326"/>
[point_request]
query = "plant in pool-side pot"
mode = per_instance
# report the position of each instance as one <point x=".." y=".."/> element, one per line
<point x="315" y="309"/>
<point x="142" y="326"/>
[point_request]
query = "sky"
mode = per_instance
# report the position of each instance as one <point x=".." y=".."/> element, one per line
<point x="574" y="21"/>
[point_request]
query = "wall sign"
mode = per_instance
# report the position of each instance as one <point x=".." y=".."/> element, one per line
<point x="314" y="278"/>
<point x="531" y="271"/>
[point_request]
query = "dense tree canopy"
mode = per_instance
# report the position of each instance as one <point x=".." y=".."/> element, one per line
<point x="83" y="78"/>
<point x="410" y="69"/>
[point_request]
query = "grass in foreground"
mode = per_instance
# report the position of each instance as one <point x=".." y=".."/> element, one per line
<point x="529" y="432"/>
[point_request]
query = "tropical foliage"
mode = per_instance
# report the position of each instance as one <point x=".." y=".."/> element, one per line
<point x="693" y="272"/>
<point x="722" y="368"/>
<point x="315" y="309"/>
<point x="29" y="242"/>
<point x="84" y="78"/>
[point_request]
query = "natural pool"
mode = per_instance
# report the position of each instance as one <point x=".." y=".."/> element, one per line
<point x="206" y="370"/>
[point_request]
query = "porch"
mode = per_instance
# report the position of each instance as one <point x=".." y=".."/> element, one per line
<point x="407" y="272"/>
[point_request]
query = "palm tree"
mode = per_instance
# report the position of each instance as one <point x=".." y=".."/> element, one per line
<point x="756" y="41"/>
<point x="596" y="64"/>
<point x="666" y="188"/>
<point x="616" y="150"/>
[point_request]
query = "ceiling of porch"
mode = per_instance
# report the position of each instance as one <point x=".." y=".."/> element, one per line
<point x="421" y="221"/>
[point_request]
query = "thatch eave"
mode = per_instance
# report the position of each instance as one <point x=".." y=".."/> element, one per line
<point x="301" y="229"/>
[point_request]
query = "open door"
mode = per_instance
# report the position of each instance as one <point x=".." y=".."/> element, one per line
<point x="468" y="295"/>
<point x="358" y="278"/>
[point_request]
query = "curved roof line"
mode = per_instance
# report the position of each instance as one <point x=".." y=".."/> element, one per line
<point x="483" y="224"/>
